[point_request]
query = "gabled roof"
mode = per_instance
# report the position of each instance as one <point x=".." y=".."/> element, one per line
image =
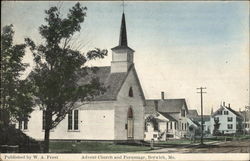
<point x="166" y="105"/>
<point x="228" y="108"/>
<point x="111" y="81"/>
<point x="169" y="117"/>
<point x="234" y="112"/>
<point x="192" y="113"/>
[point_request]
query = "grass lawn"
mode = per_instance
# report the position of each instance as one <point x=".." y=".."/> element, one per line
<point x="93" y="147"/>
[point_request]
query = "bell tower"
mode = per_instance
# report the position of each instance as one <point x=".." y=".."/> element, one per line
<point x="122" y="55"/>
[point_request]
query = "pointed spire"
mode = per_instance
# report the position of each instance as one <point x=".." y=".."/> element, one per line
<point x="123" y="33"/>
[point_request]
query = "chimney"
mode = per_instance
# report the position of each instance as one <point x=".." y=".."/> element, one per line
<point x="229" y="105"/>
<point x="162" y="95"/>
<point x="156" y="105"/>
<point x="224" y="104"/>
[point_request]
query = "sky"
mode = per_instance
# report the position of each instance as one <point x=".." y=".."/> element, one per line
<point x="179" y="46"/>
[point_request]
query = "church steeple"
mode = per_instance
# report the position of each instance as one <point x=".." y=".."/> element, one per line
<point x="123" y="32"/>
<point x="122" y="55"/>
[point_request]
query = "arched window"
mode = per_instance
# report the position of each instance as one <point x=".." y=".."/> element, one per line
<point x="130" y="93"/>
<point x="130" y="113"/>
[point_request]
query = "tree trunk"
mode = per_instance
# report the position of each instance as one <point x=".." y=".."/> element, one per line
<point x="48" y="121"/>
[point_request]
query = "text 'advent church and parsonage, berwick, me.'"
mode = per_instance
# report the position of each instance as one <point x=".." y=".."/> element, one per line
<point x="121" y="111"/>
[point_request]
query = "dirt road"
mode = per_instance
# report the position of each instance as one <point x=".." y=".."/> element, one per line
<point x="216" y="147"/>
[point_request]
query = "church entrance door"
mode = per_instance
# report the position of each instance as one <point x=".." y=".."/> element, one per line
<point x="130" y="131"/>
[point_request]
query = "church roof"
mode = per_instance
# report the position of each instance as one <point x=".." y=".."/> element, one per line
<point x="166" y="105"/>
<point x="111" y="81"/>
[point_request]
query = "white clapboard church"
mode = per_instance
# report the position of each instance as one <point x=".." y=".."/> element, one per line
<point x="118" y="114"/>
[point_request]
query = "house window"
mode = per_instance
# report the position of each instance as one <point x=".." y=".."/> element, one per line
<point x="182" y="126"/>
<point x="155" y="135"/>
<point x="171" y="125"/>
<point x="225" y="112"/>
<point x="43" y="123"/>
<point x="185" y="126"/>
<point x="219" y="112"/>
<point x="229" y="119"/>
<point x="230" y="126"/>
<point x="130" y="93"/>
<point x="175" y="125"/>
<point x="73" y="120"/>
<point x="183" y="113"/>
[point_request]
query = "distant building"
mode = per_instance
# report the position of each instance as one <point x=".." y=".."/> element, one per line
<point x="195" y="121"/>
<point x="246" y="120"/>
<point x="192" y="113"/>
<point x="206" y="123"/>
<point x="230" y="121"/>
<point x="175" y="110"/>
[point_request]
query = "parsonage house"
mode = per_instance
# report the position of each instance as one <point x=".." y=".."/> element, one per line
<point x="165" y="118"/>
<point x="230" y="121"/>
<point x="118" y="114"/>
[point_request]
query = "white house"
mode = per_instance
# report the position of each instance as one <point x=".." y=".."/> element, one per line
<point x="230" y="121"/>
<point x="118" y="114"/>
<point x="160" y="126"/>
<point x="174" y="108"/>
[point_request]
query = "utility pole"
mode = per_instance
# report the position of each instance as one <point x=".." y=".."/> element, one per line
<point x="201" y="92"/>
<point x="245" y="117"/>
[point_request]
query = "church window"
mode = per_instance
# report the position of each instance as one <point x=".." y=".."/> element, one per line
<point x="76" y="120"/>
<point x="43" y="123"/>
<point x="130" y="93"/>
<point x="20" y="125"/>
<point x="70" y="120"/>
<point x="73" y="120"/>
<point x="23" y="124"/>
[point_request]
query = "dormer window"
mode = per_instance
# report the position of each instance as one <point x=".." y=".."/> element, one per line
<point x="130" y="93"/>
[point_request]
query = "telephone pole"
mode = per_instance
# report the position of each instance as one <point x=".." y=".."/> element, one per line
<point x="245" y="120"/>
<point x="201" y="92"/>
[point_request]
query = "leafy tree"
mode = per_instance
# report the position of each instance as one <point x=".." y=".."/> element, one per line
<point x="216" y="126"/>
<point x="16" y="102"/>
<point x="58" y="67"/>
